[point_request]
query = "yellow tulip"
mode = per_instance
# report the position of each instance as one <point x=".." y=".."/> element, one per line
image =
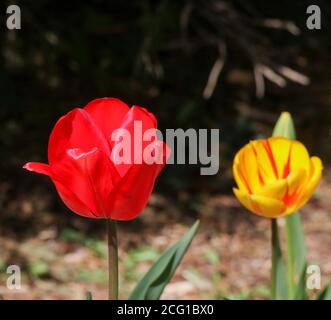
<point x="275" y="176"/>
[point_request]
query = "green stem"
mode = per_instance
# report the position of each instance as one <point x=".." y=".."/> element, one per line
<point x="275" y="256"/>
<point x="290" y="262"/>
<point x="112" y="259"/>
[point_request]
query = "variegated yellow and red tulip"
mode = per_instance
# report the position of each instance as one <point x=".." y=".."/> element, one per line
<point x="275" y="176"/>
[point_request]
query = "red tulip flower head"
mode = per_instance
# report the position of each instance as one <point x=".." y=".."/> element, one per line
<point x="104" y="159"/>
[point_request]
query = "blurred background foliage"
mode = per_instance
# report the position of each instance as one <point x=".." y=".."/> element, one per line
<point x="233" y="65"/>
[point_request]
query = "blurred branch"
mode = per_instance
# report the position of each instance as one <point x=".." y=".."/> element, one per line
<point x="282" y="25"/>
<point x="273" y="76"/>
<point x="259" y="81"/>
<point x="185" y="18"/>
<point x="293" y="75"/>
<point x="215" y="72"/>
<point x="216" y="22"/>
<point x="210" y="23"/>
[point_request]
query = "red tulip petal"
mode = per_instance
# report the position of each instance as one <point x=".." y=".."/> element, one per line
<point x="69" y="199"/>
<point x="89" y="175"/>
<point x="72" y="202"/>
<point x="108" y="114"/>
<point x="139" y="113"/>
<point x="75" y="130"/>
<point x="131" y="194"/>
<point x="140" y="119"/>
<point x="38" y="167"/>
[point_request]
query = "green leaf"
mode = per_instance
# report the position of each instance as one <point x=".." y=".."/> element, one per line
<point x="39" y="268"/>
<point x="326" y="293"/>
<point x="211" y="256"/>
<point x="98" y="275"/>
<point x="193" y="276"/>
<point x="97" y="246"/>
<point x="2" y="266"/>
<point x="278" y="275"/>
<point x="296" y="239"/>
<point x="300" y="293"/>
<point x="155" y="280"/>
<point x="88" y="295"/>
<point x="296" y="250"/>
<point x="134" y="258"/>
<point x="284" y="126"/>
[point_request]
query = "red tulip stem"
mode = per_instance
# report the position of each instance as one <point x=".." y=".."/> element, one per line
<point x="112" y="259"/>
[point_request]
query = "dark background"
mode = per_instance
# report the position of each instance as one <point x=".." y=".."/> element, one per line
<point x="157" y="54"/>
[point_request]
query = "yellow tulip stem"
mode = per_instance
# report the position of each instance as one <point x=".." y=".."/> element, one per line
<point x="290" y="262"/>
<point x="112" y="259"/>
<point x="275" y="253"/>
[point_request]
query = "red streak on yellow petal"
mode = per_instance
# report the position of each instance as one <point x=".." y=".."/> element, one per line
<point x="267" y="147"/>
<point x="287" y="168"/>
<point x="258" y="169"/>
<point x="246" y="183"/>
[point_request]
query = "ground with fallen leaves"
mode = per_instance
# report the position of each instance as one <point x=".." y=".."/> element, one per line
<point x="230" y="256"/>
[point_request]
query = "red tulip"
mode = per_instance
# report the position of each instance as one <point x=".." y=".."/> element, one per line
<point x="82" y="160"/>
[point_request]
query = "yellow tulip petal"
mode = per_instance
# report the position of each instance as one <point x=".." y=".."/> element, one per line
<point x="281" y="148"/>
<point x="240" y="179"/>
<point x="275" y="189"/>
<point x="244" y="199"/>
<point x="316" y="173"/>
<point x="268" y="207"/>
<point x="299" y="157"/>
<point x="316" y="168"/>
<point x="249" y="168"/>
<point x="238" y="156"/>
<point x="266" y="170"/>
<point x="295" y="181"/>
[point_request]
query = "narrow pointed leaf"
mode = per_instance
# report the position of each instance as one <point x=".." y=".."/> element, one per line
<point x="326" y="293"/>
<point x="295" y="231"/>
<point x="155" y="280"/>
<point x="300" y="293"/>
